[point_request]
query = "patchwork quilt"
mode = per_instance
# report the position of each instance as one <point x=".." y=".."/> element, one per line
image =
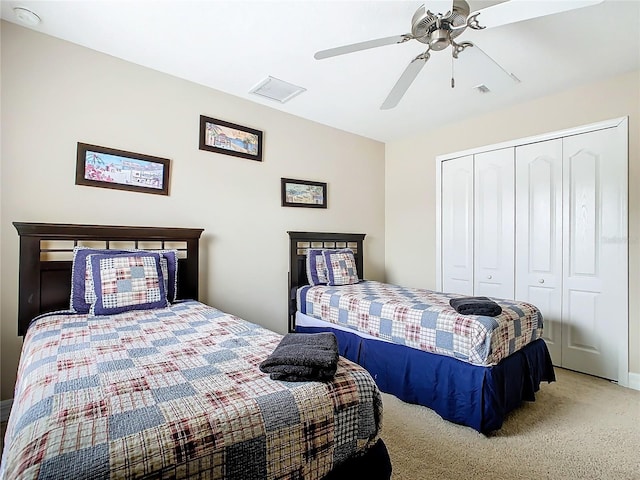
<point x="176" y="393"/>
<point x="423" y="319"/>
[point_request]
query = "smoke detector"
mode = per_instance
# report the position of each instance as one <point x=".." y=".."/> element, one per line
<point x="26" y="16"/>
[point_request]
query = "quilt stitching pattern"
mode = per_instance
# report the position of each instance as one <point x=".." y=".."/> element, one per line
<point x="423" y="319"/>
<point x="173" y="393"/>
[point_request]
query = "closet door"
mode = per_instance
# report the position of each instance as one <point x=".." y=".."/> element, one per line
<point x="539" y="236"/>
<point x="494" y="224"/>
<point x="457" y="225"/>
<point x="595" y="288"/>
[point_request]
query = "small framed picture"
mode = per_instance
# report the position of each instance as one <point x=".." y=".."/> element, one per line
<point x="230" y="139"/>
<point x="121" y="170"/>
<point x="303" y="193"/>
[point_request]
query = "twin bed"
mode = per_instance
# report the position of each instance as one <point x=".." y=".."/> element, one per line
<point x="472" y="370"/>
<point x="164" y="390"/>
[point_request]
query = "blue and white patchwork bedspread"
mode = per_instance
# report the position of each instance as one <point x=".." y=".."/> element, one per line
<point x="176" y="393"/>
<point x="423" y="319"/>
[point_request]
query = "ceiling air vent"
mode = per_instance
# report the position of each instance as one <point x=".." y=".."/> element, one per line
<point x="275" y="89"/>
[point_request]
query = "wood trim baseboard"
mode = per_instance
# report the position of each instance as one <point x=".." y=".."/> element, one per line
<point x="634" y="381"/>
<point x="5" y="408"/>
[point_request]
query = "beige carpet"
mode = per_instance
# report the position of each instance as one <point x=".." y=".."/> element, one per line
<point x="579" y="427"/>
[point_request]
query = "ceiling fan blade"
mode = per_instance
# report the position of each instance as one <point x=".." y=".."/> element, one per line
<point x="474" y="68"/>
<point x="404" y="82"/>
<point x="518" y="10"/>
<point x="356" y="47"/>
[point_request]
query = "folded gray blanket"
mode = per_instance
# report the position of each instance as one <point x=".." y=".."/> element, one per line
<point x="476" y="306"/>
<point x="303" y="357"/>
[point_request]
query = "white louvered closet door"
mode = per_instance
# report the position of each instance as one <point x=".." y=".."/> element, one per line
<point x="494" y="224"/>
<point x="539" y="235"/>
<point x="457" y="225"/>
<point x="595" y="290"/>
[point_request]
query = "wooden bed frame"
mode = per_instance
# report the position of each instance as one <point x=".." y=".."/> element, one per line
<point x="46" y="254"/>
<point x="299" y="242"/>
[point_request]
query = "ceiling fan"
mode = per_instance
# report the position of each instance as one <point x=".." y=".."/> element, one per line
<point x="439" y="31"/>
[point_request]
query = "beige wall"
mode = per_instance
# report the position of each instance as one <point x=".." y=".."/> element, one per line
<point x="411" y="171"/>
<point x="54" y="94"/>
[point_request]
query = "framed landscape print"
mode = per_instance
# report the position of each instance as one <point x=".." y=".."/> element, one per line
<point x="230" y="139"/>
<point x="303" y="193"/>
<point x="121" y="170"/>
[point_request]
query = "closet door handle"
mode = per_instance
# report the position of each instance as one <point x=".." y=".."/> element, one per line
<point x="541" y="280"/>
<point x="489" y="277"/>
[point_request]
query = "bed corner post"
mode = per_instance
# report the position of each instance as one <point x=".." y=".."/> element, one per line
<point x="28" y="277"/>
<point x="193" y="261"/>
<point x="290" y="308"/>
<point x="293" y="281"/>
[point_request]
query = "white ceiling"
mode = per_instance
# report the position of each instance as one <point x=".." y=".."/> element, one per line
<point x="233" y="45"/>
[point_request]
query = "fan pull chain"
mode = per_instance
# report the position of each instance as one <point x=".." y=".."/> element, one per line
<point x="453" y="82"/>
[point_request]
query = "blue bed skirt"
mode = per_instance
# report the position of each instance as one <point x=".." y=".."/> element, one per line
<point x="479" y="397"/>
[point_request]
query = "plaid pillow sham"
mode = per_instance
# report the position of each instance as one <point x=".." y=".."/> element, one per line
<point x="82" y="290"/>
<point x="127" y="282"/>
<point x="316" y="269"/>
<point x="341" y="267"/>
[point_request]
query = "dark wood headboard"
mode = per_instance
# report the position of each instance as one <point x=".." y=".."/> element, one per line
<point x="46" y="254"/>
<point x="299" y="242"/>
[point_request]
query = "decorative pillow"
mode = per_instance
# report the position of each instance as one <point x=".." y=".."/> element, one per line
<point x="89" y="290"/>
<point x="341" y="267"/>
<point x="127" y="282"/>
<point x="171" y="284"/>
<point x="316" y="270"/>
<point x="78" y="303"/>
<point x="82" y="295"/>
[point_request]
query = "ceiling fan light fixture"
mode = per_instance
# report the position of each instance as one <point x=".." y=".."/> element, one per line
<point x="439" y="39"/>
<point x="276" y="89"/>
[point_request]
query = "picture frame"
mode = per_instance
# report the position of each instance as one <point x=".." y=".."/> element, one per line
<point x="303" y="193"/>
<point x="105" y="167"/>
<point x="230" y="139"/>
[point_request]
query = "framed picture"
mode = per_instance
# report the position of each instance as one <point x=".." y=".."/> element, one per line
<point x="231" y="139"/>
<point x="303" y="193"/>
<point x="117" y="169"/>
